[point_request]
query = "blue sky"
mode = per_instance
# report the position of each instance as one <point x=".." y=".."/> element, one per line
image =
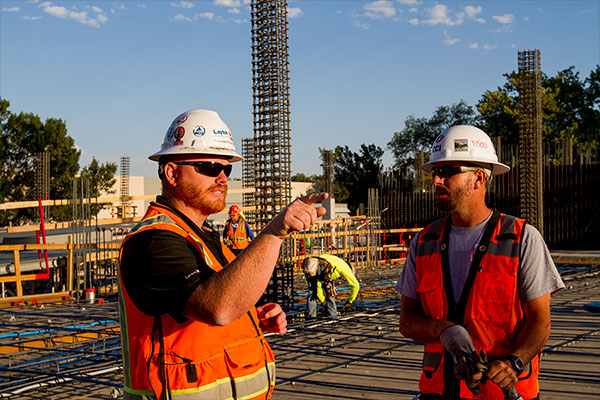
<point x="118" y="72"/>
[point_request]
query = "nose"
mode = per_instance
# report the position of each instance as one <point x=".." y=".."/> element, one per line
<point x="222" y="178"/>
<point x="436" y="180"/>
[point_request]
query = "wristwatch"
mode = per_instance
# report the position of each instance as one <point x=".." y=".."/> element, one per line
<point x="516" y="363"/>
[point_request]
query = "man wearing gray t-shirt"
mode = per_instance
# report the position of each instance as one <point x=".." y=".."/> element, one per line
<point x="476" y="285"/>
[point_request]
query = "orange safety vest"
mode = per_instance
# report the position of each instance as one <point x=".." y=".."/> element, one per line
<point x="191" y="360"/>
<point x="490" y="307"/>
<point x="239" y="237"/>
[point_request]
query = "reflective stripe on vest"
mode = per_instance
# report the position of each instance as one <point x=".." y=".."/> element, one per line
<point x="493" y="313"/>
<point x="198" y="360"/>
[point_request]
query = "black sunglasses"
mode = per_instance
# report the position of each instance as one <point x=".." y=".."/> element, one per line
<point x="208" y="168"/>
<point x="446" y="171"/>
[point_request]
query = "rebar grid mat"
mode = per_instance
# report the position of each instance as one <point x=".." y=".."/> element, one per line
<point x="361" y="355"/>
<point x="60" y="351"/>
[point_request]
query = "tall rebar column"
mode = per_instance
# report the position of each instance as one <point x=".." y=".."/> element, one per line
<point x="327" y="157"/>
<point x="42" y="178"/>
<point x="530" y="138"/>
<point x="248" y="177"/>
<point x="125" y="168"/>
<point x="271" y="108"/>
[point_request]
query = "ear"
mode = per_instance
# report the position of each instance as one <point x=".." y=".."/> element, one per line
<point x="170" y="172"/>
<point x="480" y="178"/>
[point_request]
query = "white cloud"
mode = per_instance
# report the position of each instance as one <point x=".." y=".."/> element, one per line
<point x="12" y="9"/>
<point x="413" y="21"/>
<point x="439" y="14"/>
<point x="489" y="46"/>
<point x="514" y="46"/>
<point x="472" y="13"/>
<point x="380" y="9"/>
<point x="240" y="21"/>
<point x="234" y="11"/>
<point x="473" y="45"/>
<point x="231" y="3"/>
<point x="413" y="10"/>
<point x="448" y="40"/>
<point x="409" y="2"/>
<point x="183" y="4"/>
<point x="141" y="5"/>
<point x="181" y="17"/>
<point x="79" y="16"/>
<point x="121" y="7"/>
<point x="361" y="25"/>
<point x="205" y="15"/>
<point x="27" y="17"/>
<point x="505" y="19"/>
<point x="294" y="12"/>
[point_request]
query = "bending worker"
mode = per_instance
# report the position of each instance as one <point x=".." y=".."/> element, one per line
<point x="237" y="233"/>
<point x="324" y="270"/>
<point x="189" y="325"/>
<point x="476" y="280"/>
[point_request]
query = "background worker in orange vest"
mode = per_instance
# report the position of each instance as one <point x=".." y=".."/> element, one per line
<point x="189" y="325"/>
<point x="237" y="233"/>
<point x="476" y="280"/>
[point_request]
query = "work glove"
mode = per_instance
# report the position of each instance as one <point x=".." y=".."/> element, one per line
<point x="457" y="341"/>
<point x="348" y="307"/>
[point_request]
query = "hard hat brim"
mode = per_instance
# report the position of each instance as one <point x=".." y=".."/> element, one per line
<point x="232" y="155"/>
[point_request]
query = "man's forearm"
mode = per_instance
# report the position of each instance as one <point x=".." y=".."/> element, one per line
<point x="415" y="325"/>
<point x="536" y="329"/>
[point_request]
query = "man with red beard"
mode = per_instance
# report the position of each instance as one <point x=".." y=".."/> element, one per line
<point x="189" y="325"/>
<point x="476" y="284"/>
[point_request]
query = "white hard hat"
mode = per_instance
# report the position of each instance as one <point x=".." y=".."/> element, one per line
<point x="310" y="266"/>
<point x="465" y="143"/>
<point x="198" y="132"/>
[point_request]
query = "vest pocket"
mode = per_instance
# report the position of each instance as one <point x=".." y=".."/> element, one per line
<point x="498" y="292"/>
<point x="248" y="369"/>
<point x="431" y="293"/>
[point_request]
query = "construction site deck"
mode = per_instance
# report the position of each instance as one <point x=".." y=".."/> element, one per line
<point x="71" y="350"/>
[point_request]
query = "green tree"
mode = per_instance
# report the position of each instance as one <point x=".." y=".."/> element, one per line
<point x="23" y="135"/>
<point x="419" y="133"/>
<point x="101" y="178"/>
<point x="354" y="173"/>
<point x="569" y="106"/>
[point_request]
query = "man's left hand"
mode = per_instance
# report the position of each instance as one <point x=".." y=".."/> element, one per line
<point x="272" y="318"/>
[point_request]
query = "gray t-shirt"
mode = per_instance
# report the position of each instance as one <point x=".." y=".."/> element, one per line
<point x="538" y="274"/>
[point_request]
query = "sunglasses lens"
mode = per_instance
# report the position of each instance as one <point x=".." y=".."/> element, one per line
<point x="445" y="172"/>
<point x="213" y="169"/>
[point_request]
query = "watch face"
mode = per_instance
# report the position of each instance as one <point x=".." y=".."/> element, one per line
<point x="517" y="364"/>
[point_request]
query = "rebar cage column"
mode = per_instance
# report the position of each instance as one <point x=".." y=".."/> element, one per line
<point x="530" y="138"/>
<point x="271" y="108"/>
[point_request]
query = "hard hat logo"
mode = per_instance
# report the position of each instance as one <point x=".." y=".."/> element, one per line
<point x="178" y="134"/>
<point x="215" y="136"/>
<point x="199" y="131"/>
<point x="461" y="145"/>
<point x="466" y="144"/>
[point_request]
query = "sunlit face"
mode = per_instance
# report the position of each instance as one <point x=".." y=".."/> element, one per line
<point x="204" y="193"/>
<point x="453" y="191"/>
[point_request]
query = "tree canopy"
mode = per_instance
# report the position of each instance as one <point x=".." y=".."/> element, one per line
<point x="419" y="133"/>
<point x="23" y="135"/>
<point x="355" y="173"/>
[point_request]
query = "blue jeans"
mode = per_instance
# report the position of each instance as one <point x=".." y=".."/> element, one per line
<point x="311" y="299"/>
